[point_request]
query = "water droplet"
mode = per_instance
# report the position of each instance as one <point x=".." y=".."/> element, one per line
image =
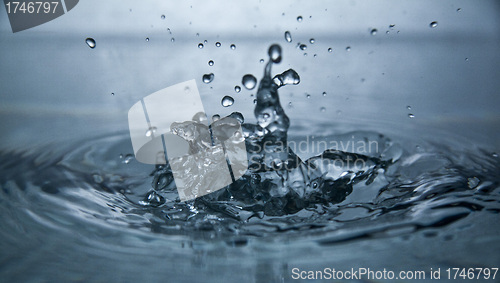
<point x="290" y="104"/>
<point x="324" y="93"/>
<point x="205" y="41"/>
<point x="90" y="42"/>
<point x="373" y="31"/>
<point x="299" y="19"/>
<point x="128" y="158"/>
<point x="494" y="154"/>
<point x="249" y="81"/>
<point x="237" y="88"/>
<point x="275" y="53"/>
<point x="172" y="39"/>
<point x="288" y="77"/>
<point x="208" y="78"/>
<point x="408" y="107"/>
<point x="311" y="40"/>
<point x="466" y="59"/>
<point x="215" y="117"/>
<point x="217" y="44"/>
<point x="392" y="26"/>
<point x="113" y="94"/>
<point x="147" y="39"/>
<point x="330" y="50"/>
<point x="303" y="47"/>
<point x="233" y="46"/>
<point x="288" y="36"/>
<point x="200" y="45"/>
<point x="162" y="17"/>
<point x="433" y="24"/>
<point x="459" y="10"/>
<point x="322" y="109"/>
<point x="348" y="48"/>
<point x="151" y="131"/>
<point x="227" y="101"/>
<point x="210" y="63"/>
<point x="255" y="101"/>
<point x="153" y="199"/>
<point x="261" y="60"/>
<point x="411" y="116"/>
<point x="308" y="96"/>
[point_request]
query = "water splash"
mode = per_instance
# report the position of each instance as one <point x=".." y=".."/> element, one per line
<point x="278" y="182"/>
<point x="419" y="186"/>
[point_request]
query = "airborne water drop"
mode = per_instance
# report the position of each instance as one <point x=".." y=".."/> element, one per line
<point x="90" y="42"/>
<point x="208" y="78"/>
<point x="249" y="81"/>
<point x="227" y="101"/>
<point x="275" y="53"/>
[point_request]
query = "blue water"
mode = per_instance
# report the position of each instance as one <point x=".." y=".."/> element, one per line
<point x="70" y="192"/>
